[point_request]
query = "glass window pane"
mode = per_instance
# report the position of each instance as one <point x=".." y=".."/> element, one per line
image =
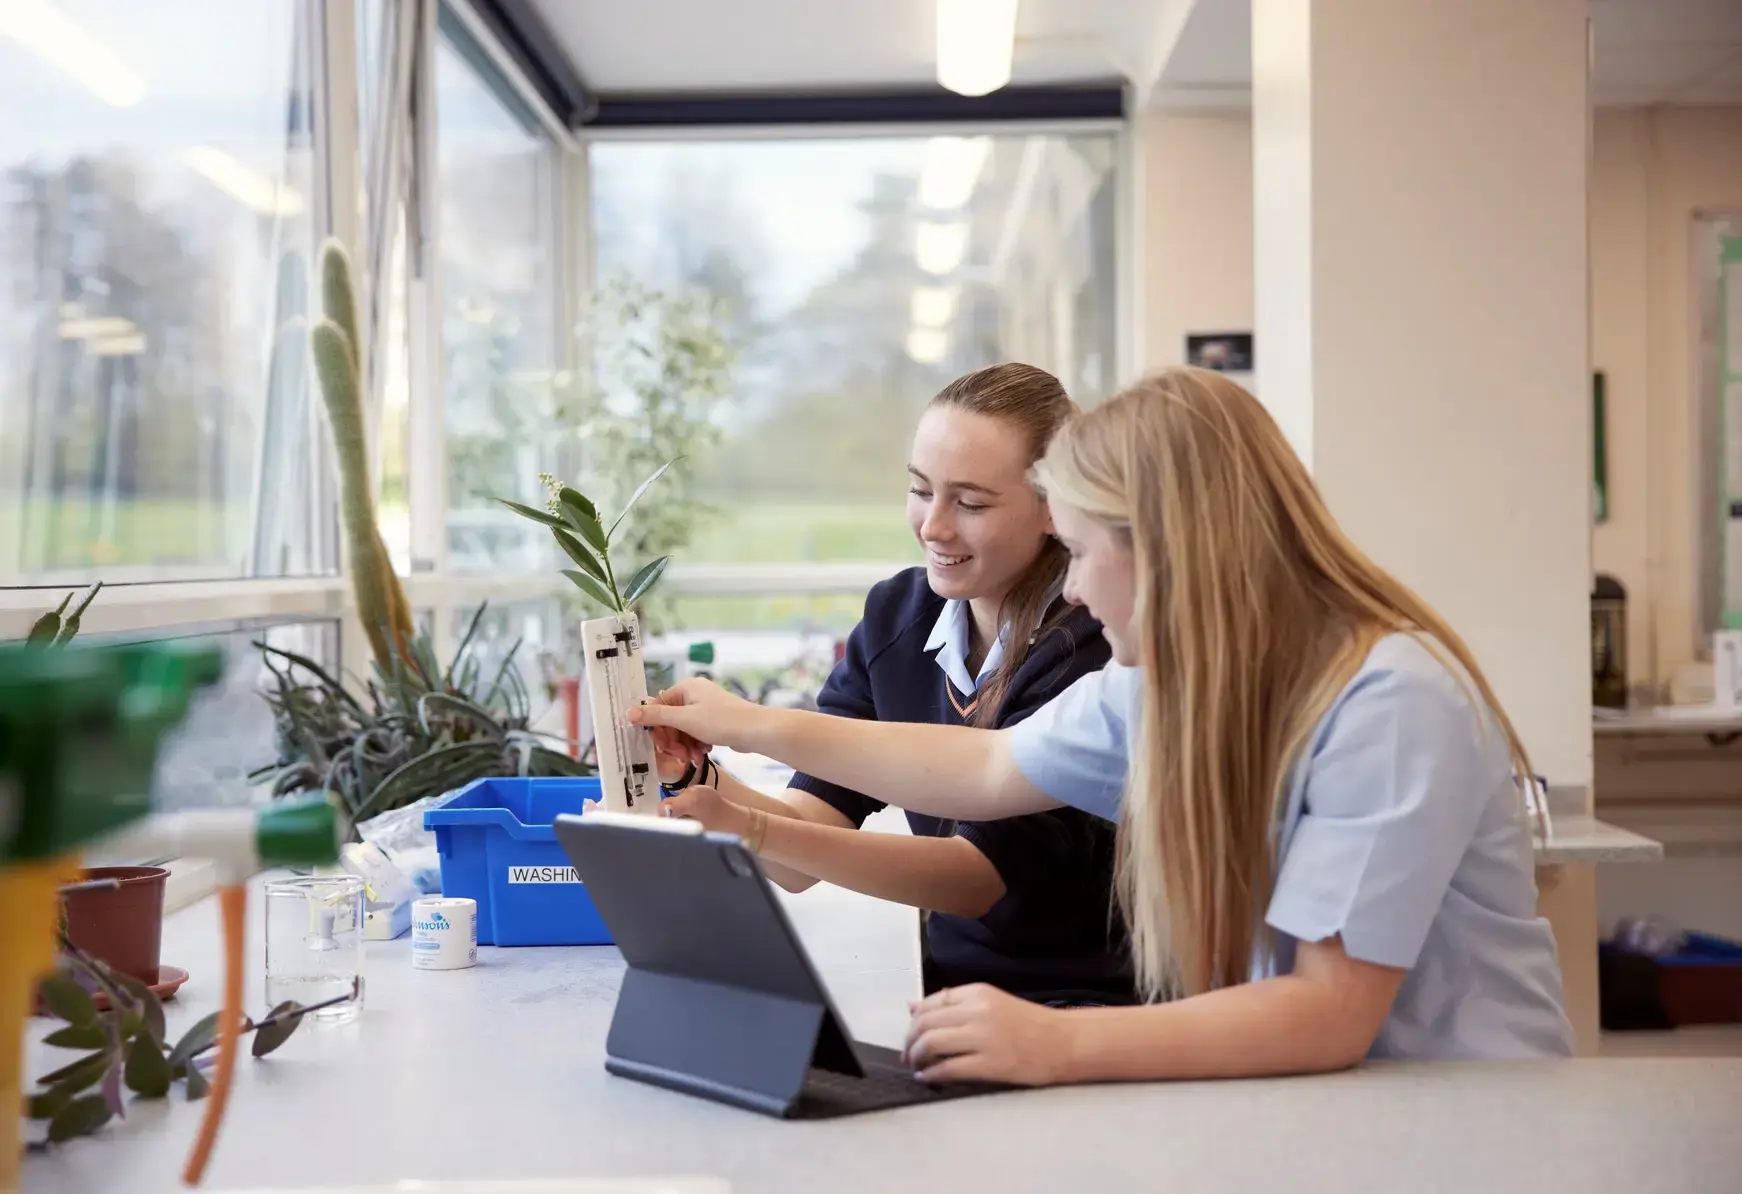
<point x="229" y="730"/>
<point x="862" y="274"/>
<point x="155" y="225"/>
<point x="499" y="304"/>
<point x="522" y="637"/>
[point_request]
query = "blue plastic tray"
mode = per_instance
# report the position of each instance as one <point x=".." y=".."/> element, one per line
<point x="498" y="848"/>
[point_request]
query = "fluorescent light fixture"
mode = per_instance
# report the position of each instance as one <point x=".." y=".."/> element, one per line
<point x="933" y="306"/>
<point x="952" y="167"/>
<point x="926" y="346"/>
<point x="117" y="346"/>
<point x="976" y="41"/>
<point x="59" y="40"/>
<point x="95" y="327"/>
<point x="939" y="248"/>
<point x="243" y="183"/>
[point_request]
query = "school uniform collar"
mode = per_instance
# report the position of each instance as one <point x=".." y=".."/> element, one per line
<point x="949" y="638"/>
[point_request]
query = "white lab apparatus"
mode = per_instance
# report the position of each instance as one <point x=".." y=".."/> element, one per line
<point x="616" y="683"/>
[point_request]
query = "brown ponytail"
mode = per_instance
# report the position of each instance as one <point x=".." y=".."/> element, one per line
<point x="1033" y="401"/>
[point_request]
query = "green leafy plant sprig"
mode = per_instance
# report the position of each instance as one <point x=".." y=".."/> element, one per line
<point x="575" y="524"/>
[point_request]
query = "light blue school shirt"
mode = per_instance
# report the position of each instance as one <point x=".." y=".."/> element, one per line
<point x="1403" y="831"/>
<point x="949" y="638"/>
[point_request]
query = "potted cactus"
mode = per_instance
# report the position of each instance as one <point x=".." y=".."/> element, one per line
<point x="413" y="728"/>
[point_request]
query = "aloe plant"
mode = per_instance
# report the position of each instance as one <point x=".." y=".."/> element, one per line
<point x="416" y="729"/>
<point x="575" y="524"/>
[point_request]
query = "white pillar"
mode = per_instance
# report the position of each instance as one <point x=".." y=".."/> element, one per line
<point x="1422" y="325"/>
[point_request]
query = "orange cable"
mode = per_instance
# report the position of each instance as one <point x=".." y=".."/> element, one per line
<point x="233" y="905"/>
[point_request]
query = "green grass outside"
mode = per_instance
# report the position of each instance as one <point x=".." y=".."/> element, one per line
<point x="168" y="533"/>
<point x="70" y="535"/>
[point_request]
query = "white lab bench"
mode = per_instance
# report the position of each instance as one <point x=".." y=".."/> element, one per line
<point x="497" y="1072"/>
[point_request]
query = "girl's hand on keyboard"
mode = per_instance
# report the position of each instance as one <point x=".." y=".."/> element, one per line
<point x="981" y="1034"/>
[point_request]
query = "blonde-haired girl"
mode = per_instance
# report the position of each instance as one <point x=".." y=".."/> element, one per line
<point x="1323" y="847"/>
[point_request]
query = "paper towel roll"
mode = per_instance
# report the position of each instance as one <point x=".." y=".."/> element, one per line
<point x="444" y="933"/>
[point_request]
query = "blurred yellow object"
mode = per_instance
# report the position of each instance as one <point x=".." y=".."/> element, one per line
<point x="29" y="894"/>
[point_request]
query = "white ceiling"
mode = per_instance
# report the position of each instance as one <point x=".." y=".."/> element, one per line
<point x="677" y="46"/>
<point x="1176" y="52"/>
<point x="1644" y="52"/>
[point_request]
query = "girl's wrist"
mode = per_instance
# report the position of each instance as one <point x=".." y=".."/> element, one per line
<point x="1070" y="1029"/>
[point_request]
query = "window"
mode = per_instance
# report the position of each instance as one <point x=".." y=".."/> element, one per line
<point x="155" y="421"/>
<point x="229" y="730"/>
<point x="861" y="275"/>
<point x="499" y="278"/>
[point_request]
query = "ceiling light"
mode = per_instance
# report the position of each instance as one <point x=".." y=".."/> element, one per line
<point x="933" y="306"/>
<point x="939" y="248"/>
<point x="58" y="39"/>
<point x="926" y="346"/>
<point x="83" y="327"/>
<point x="117" y="346"/>
<point x="952" y="167"/>
<point x="244" y="184"/>
<point x="976" y="41"/>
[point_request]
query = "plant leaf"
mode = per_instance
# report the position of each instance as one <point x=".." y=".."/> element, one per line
<point x="465" y="641"/>
<point x="326" y="678"/>
<point x="593" y="531"/>
<point x="636" y="496"/>
<point x="80" y="1117"/>
<point x="150" y="1007"/>
<point x="148" y="1074"/>
<point x="111" y="1089"/>
<point x="645" y="579"/>
<point x="198" y="1084"/>
<point x="87" y="1063"/>
<point x="66" y="999"/>
<point x="195" y="1041"/>
<point x="437" y="770"/>
<point x="70" y="626"/>
<point x="46" y="629"/>
<point x="283" y="1022"/>
<point x="579" y="503"/>
<point x="78" y="1036"/>
<point x="587" y="560"/>
<point x="460" y="706"/>
<point x="549" y="520"/>
<point x="592" y="588"/>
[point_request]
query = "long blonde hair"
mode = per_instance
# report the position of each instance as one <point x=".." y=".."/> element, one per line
<point x="1253" y="611"/>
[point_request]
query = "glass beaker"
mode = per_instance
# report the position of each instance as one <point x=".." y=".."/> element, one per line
<point x="314" y="943"/>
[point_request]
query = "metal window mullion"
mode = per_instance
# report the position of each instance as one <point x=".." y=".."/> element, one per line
<point x="426" y="444"/>
<point x="1128" y="241"/>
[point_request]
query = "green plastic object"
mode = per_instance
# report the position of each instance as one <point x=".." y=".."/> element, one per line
<point x="702" y="653"/>
<point x="80" y="728"/>
<point x="301" y="832"/>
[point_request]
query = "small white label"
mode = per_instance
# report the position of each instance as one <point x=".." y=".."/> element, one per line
<point x="542" y="874"/>
<point x="1727" y="669"/>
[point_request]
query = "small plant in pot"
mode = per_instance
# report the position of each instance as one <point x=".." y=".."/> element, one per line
<point x="616" y="677"/>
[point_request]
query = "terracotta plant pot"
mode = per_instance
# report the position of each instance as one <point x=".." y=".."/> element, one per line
<point x="121" y="926"/>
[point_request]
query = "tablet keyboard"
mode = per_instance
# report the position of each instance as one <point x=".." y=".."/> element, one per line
<point x="826" y="1092"/>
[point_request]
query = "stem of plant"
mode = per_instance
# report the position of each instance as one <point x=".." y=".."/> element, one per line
<point x="611" y="576"/>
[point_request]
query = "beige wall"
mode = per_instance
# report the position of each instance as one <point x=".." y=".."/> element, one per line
<point x="1198" y="233"/>
<point x="1650" y="170"/>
